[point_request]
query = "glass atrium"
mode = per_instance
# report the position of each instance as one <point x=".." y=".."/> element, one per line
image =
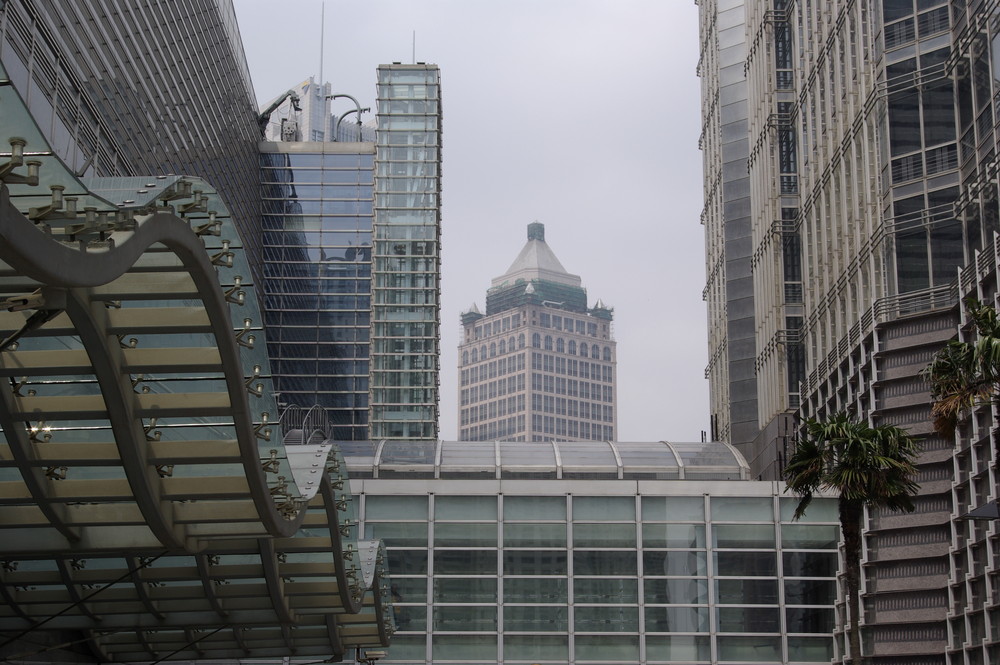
<point x="605" y="562"/>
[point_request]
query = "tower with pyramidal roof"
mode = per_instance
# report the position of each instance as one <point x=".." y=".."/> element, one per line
<point x="539" y="365"/>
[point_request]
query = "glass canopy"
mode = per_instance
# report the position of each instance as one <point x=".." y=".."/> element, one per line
<point x="652" y="460"/>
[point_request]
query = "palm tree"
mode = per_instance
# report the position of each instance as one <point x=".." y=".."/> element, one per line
<point x="963" y="374"/>
<point x="867" y="467"/>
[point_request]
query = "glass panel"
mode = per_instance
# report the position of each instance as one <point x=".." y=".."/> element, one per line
<point x="465" y="535"/>
<point x="615" y="591"/>
<point x="534" y="563"/>
<point x="465" y="508"/>
<point x="606" y="619"/>
<point x="743" y="564"/>
<point x="465" y="562"/>
<point x="673" y="535"/>
<point x="535" y="647"/>
<point x="534" y="535"/>
<point x="748" y="619"/>
<point x="604" y="563"/>
<point x="677" y="620"/>
<point x="810" y="564"/>
<point x="674" y="563"/>
<point x="676" y="591"/>
<point x="678" y="647"/>
<point x="604" y="535"/>
<point x="746" y="592"/>
<point x="738" y="535"/>
<point x="538" y="590"/>
<point x="398" y="534"/>
<point x="466" y="617"/>
<point x="809" y="536"/>
<point x="535" y="618"/>
<point x="464" y="590"/>
<point x="464" y="647"/>
<point x="396" y="508"/>
<point x="407" y="562"/>
<point x="810" y="649"/>
<point x="410" y="618"/>
<point x="673" y="509"/>
<point x="810" y="592"/>
<point x="742" y="509"/>
<point x="749" y="648"/>
<point x="531" y="508"/>
<point x="615" y="648"/>
<point x="408" y="647"/>
<point x="809" y="620"/>
<point x="604" y="508"/>
<point x="409" y="589"/>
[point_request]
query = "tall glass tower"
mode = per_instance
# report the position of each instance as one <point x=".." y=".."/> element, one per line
<point x="351" y="231"/>
<point x="406" y="268"/>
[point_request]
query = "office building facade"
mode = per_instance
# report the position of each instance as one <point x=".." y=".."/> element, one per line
<point x="539" y="365"/>
<point x="866" y="147"/>
<point x="351" y="235"/>
<point x="571" y="552"/>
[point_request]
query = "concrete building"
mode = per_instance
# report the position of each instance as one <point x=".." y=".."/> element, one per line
<point x="596" y="552"/>
<point x="540" y="364"/>
<point x="154" y="504"/>
<point x="858" y="139"/>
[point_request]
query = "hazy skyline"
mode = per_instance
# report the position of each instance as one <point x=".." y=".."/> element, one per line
<point x="580" y="114"/>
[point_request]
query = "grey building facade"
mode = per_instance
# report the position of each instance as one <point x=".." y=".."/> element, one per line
<point x="540" y="365"/>
<point x="869" y="143"/>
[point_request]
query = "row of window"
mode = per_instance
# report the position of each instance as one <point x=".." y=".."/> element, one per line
<point x="671" y="510"/>
<point x="495" y="368"/>
<point x="614" y="590"/>
<point x="569" y="407"/>
<point x="572" y="367"/>
<point x="627" y="562"/>
<point x="507" y="429"/>
<point x="602" y="649"/>
<point x="578" y="430"/>
<point x="567" y="324"/>
<point x="495" y="409"/>
<point x="568" y="427"/>
<point x="496" y="327"/>
<point x="614" y="619"/>
<point x="493" y="389"/>
<point x="572" y="387"/>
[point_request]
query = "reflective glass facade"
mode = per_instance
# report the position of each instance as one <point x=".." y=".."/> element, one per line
<point x="146" y="100"/>
<point x="600" y="570"/>
<point x="406" y="271"/>
<point x="317" y="265"/>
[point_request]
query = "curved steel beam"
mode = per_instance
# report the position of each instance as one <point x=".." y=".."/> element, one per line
<point x="37" y="256"/>
<point x="31" y="470"/>
<point x="106" y="357"/>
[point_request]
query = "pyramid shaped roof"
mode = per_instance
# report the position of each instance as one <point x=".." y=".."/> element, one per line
<point x="536" y="262"/>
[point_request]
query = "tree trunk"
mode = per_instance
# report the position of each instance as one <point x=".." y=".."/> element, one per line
<point x="851" y="514"/>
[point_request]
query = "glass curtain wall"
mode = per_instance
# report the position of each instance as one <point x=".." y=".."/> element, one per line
<point x="317" y="267"/>
<point x="406" y="271"/>
<point x="594" y="574"/>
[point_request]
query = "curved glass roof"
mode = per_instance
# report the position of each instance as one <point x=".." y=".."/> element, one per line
<point x="646" y="460"/>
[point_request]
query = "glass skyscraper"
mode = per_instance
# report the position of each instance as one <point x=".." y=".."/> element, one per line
<point x="317" y="264"/>
<point x="351" y="231"/>
<point x="406" y="268"/>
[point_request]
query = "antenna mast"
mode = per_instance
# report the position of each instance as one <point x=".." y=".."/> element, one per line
<point x="322" y="31"/>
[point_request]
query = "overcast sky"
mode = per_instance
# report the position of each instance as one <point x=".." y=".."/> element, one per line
<point x="580" y="114"/>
